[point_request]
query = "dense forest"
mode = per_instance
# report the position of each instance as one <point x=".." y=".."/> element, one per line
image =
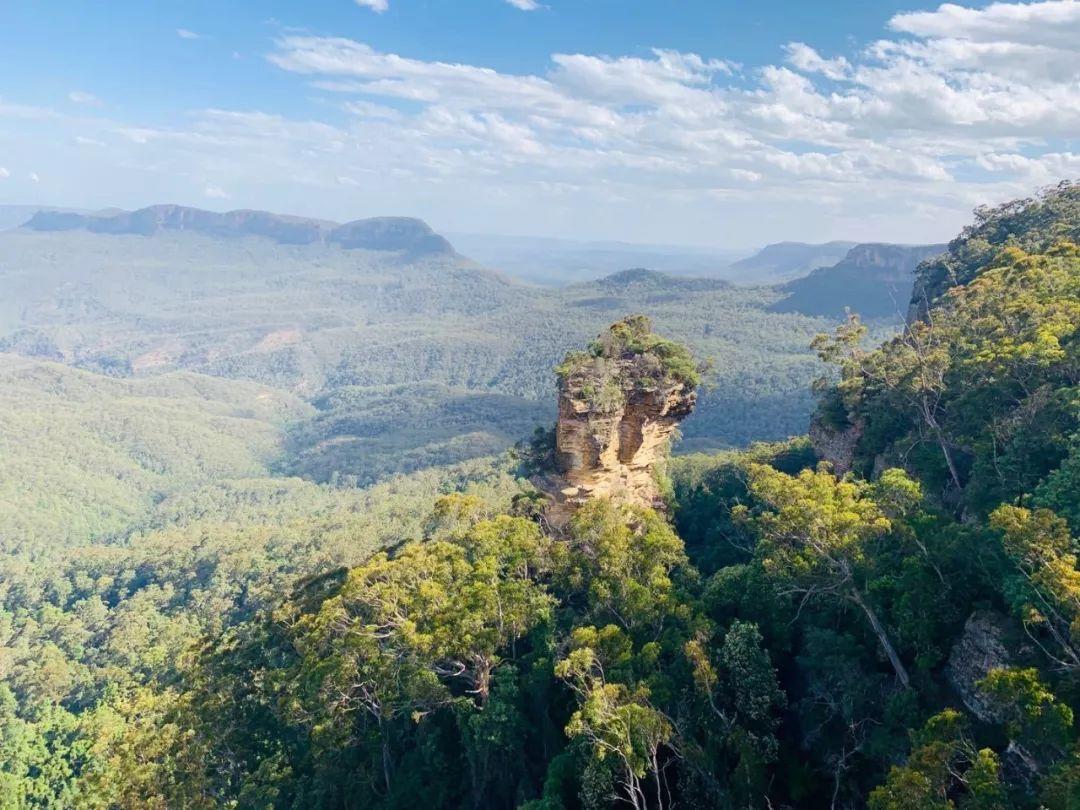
<point x="883" y="614"/>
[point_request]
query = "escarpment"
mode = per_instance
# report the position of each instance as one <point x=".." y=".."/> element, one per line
<point x="619" y="405"/>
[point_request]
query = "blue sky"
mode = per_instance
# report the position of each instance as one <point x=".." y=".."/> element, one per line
<point x="720" y="123"/>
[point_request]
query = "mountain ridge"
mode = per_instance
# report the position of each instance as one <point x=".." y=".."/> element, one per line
<point x="874" y="279"/>
<point x="404" y="234"/>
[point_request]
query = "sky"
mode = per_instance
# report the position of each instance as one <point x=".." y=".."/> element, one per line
<point x="725" y="123"/>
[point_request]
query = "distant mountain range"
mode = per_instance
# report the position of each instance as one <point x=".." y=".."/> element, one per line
<point x="411" y="236"/>
<point x="819" y="280"/>
<point x="872" y="279"/>
<point x="554" y="262"/>
<point x="784" y="261"/>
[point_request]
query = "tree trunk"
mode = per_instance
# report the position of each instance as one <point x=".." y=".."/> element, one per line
<point x="946" y="451"/>
<point x="386" y="763"/>
<point x="883" y="637"/>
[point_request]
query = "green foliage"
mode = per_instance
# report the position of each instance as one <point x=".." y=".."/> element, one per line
<point x="633" y="339"/>
<point x="623" y="559"/>
<point x="979" y="397"/>
<point x="1033" y="716"/>
<point x="83" y="457"/>
<point x="627" y="359"/>
<point x="1032" y="224"/>
<point x="943" y="762"/>
<point x="1045" y="589"/>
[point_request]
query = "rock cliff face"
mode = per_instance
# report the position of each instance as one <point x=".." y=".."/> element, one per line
<point x="617" y="416"/>
<point x="874" y="280"/>
<point x="983" y="646"/>
<point x="835" y="445"/>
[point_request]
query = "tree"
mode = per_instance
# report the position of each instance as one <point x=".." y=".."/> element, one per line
<point x="1034" y="718"/>
<point x="815" y="534"/>
<point x="410" y="634"/>
<point x="1046" y="592"/>
<point x="624" y="558"/>
<point x="943" y="762"/>
<point x="618" y="723"/>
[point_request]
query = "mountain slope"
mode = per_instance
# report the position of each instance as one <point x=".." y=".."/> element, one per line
<point x="316" y="318"/>
<point x="83" y="456"/>
<point x="1034" y="224"/>
<point x="874" y="280"/>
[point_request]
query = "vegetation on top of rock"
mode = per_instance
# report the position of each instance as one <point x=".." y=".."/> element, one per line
<point x="627" y="356"/>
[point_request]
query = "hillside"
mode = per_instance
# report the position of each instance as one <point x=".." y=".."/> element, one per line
<point x="875" y="280"/>
<point x="83" y="457"/>
<point x="978" y="394"/>
<point x="1033" y="224"/>
<point x="585" y="623"/>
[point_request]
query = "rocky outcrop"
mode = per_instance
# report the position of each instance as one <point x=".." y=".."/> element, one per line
<point x="984" y="645"/>
<point x="410" y="236"/>
<point x="835" y="445"/>
<point x="617" y="417"/>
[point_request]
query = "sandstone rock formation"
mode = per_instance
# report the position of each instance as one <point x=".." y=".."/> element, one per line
<point x="619" y="406"/>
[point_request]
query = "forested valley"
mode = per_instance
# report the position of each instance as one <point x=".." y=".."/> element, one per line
<point x="266" y="547"/>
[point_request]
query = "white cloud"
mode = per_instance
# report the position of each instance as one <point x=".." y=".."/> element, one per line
<point x="185" y="33"/>
<point x="804" y="58"/>
<point x="378" y="6"/>
<point x="212" y="192"/>
<point x="82" y="97"/>
<point x="4" y="173"/>
<point x="1043" y="169"/>
<point x="524" y="5"/>
<point x="34" y="178"/>
<point x="1052" y="22"/>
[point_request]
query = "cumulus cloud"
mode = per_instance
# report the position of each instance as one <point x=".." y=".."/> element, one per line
<point x="185" y="33"/>
<point x="4" y="173"/>
<point x="1054" y="22"/>
<point x="212" y="192"/>
<point x="378" y="6"/>
<point x="524" y="5"/>
<point x="804" y="58"/>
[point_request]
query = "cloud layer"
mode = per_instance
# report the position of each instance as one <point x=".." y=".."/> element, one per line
<point x="955" y="106"/>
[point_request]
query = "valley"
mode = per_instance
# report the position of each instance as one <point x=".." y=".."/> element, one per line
<point x="353" y="330"/>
